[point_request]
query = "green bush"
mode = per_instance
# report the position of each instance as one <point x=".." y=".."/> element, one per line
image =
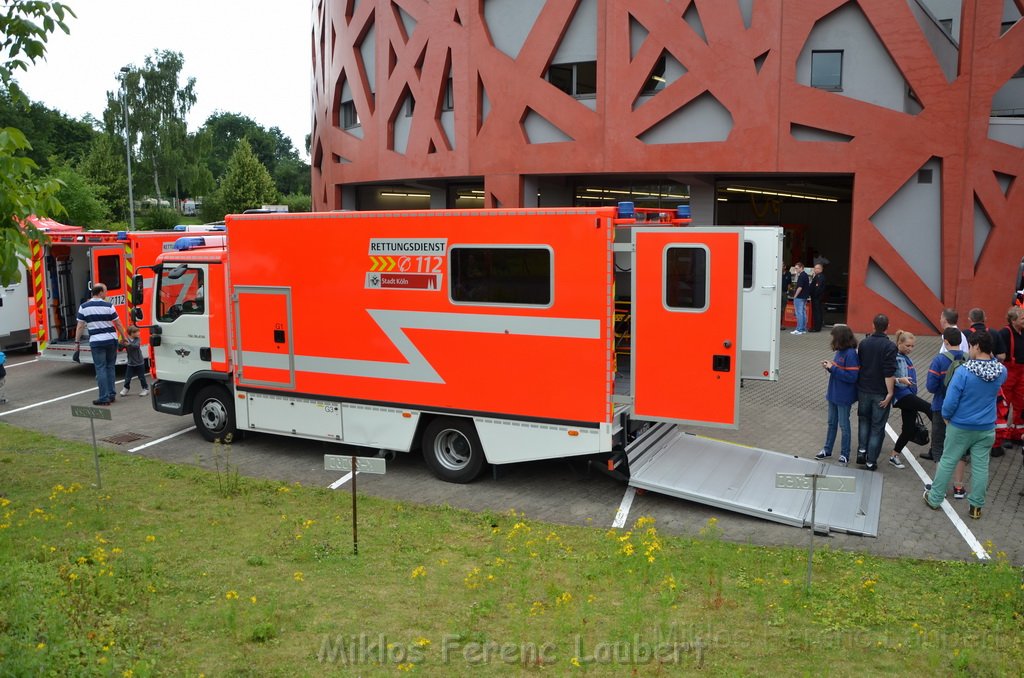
<point x="297" y="202"/>
<point x="160" y="218"/>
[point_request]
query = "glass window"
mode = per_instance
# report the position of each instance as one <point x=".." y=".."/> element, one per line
<point x="181" y="292"/>
<point x="578" y="80"/>
<point x="748" y="265"/>
<point x="686" y="278"/>
<point x="500" y="275"/>
<point x="108" y="271"/>
<point x="449" y="96"/>
<point x="656" y="80"/>
<point x="349" y="116"/>
<point x="827" y="69"/>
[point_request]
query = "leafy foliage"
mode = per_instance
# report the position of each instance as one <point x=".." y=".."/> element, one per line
<point x="24" y="28"/>
<point x="223" y="132"/>
<point x="52" y="133"/>
<point x="81" y="199"/>
<point x="247" y="183"/>
<point x="104" y="167"/>
<point x="23" y="193"/>
<point x="160" y="218"/>
<point x="157" y="104"/>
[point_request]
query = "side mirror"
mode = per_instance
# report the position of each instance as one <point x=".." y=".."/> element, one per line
<point x="136" y="314"/>
<point x="137" y="291"/>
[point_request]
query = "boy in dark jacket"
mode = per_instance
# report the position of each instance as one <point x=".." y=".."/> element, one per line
<point x="936" y="385"/>
<point x="136" y="363"/>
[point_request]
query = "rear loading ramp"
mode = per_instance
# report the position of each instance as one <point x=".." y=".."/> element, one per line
<point x="742" y="479"/>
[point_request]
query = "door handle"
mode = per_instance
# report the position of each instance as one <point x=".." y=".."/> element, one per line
<point x="727" y="343"/>
<point x="768" y="287"/>
<point x="278" y="336"/>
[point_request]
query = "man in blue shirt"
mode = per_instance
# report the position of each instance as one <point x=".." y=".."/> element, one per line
<point x="969" y="409"/>
<point x="800" y="297"/>
<point x="98" y="317"/>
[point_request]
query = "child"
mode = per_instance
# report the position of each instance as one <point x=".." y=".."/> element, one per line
<point x="3" y="377"/>
<point x="905" y="397"/>
<point x="136" y="363"/>
<point x="842" y="391"/>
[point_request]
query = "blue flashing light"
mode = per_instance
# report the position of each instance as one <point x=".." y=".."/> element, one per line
<point x="626" y="210"/>
<point x="683" y="211"/>
<point x="122" y="235"/>
<point x="179" y="227"/>
<point x="188" y="242"/>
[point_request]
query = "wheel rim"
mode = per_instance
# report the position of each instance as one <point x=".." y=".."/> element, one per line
<point x="214" y="415"/>
<point x="452" y="449"/>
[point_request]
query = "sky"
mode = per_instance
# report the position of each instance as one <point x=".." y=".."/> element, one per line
<point x="248" y="56"/>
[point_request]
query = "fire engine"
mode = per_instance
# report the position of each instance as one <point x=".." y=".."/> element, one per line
<point x="65" y="265"/>
<point x="485" y="337"/>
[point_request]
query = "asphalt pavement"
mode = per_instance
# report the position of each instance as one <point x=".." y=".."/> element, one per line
<point x="787" y="416"/>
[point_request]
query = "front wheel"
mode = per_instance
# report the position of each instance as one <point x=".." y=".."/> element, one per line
<point x="214" y="413"/>
<point x="452" y="450"/>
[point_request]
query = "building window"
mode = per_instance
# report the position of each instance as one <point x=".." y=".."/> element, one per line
<point x="500" y="275"/>
<point x="349" y="116"/>
<point x="947" y="25"/>
<point x="410" y="106"/>
<point x="656" y="80"/>
<point x="686" y="278"/>
<point x="578" y="80"/>
<point x="449" y="97"/>
<point x="827" y="69"/>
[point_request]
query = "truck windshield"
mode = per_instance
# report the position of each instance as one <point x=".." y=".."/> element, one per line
<point x="180" y="293"/>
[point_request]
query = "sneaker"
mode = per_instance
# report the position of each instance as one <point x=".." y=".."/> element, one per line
<point x="959" y="492"/>
<point x="997" y="451"/>
<point x="123" y="392"/>
<point x="925" y="497"/>
<point x="824" y="454"/>
<point x="871" y="467"/>
<point x="895" y="461"/>
<point x="143" y="393"/>
<point x="975" y="512"/>
<point x="843" y="460"/>
<point x="926" y="456"/>
<point x="796" y="332"/>
<point x="101" y="402"/>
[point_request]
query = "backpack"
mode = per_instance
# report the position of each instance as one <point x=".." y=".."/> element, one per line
<point x="954" y="363"/>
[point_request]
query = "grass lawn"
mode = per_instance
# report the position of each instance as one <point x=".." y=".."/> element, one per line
<point x="173" y="570"/>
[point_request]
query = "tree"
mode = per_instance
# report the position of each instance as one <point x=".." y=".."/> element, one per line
<point x="81" y="199"/>
<point x="157" y="105"/>
<point x="104" y="167"/>
<point x="271" y="147"/>
<point x="246" y="183"/>
<point x="25" y="26"/>
<point x="52" y="133"/>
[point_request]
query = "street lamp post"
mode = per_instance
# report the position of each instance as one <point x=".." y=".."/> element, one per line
<point x="127" y="147"/>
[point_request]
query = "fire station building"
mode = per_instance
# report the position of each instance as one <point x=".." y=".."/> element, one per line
<point x="885" y="136"/>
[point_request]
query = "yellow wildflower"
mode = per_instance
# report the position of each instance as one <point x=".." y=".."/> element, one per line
<point x="419" y="571"/>
<point x="298" y="576"/>
<point x="231" y="595"/>
<point x="150" y="538"/>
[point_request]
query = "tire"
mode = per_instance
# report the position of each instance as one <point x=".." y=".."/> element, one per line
<point x="214" y="413"/>
<point x="452" y="450"/>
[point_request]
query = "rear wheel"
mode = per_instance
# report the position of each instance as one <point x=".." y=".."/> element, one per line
<point x="452" y="450"/>
<point x="214" y="413"/>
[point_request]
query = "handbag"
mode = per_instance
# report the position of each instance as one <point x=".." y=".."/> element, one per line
<point x="920" y="436"/>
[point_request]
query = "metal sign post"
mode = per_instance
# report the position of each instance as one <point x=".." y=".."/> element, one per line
<point x="814" y="482"/>
<point x="92" y="414"/>
<point x="355" y="465"/>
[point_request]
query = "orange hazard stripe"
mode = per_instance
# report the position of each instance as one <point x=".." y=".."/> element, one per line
<point x="39" y="292"/>
<point x="129" y="273"/>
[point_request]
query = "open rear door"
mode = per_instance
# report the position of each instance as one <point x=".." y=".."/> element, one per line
<point x="108" y="269"/>
<point x="686" y="325"/>
<point x="762" y="300"/>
